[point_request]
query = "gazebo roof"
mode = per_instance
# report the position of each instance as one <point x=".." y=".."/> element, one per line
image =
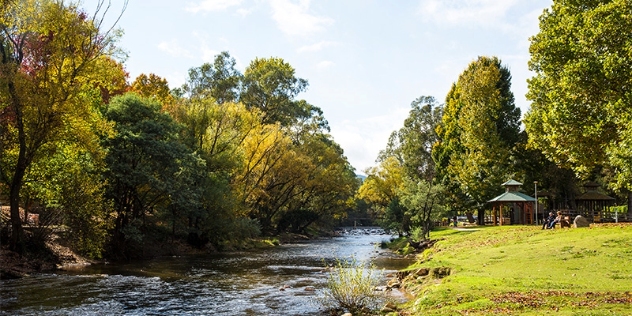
<point x="511" y="182"/>
<point x="545" y="193"/>
<point x="512" y="196"/>
<point x="594" y="196"/>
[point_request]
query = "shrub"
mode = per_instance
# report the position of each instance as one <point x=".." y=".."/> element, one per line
<point x="417" y="234"/>
<point x="244" y="228"/>
<point x="351" y="287"/>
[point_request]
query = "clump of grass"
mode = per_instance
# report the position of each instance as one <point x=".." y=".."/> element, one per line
<point x="351" y="287"/>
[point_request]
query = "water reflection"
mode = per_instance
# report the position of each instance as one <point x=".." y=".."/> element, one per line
<point x="272" y="282"/>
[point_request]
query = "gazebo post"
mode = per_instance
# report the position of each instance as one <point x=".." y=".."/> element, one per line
<point x="502" y="218"/>
<point x="592" y="202"/>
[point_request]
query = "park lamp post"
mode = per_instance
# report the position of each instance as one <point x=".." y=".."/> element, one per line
<point x="535" y="213"/>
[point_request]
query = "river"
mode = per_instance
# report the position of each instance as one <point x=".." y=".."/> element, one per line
<point x="236" y="283"/>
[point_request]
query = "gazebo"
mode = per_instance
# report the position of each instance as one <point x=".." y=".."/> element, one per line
<point x="594" y="204"/>
<point x="521" y="211"/>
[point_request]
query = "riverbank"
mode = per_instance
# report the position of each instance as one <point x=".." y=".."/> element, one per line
<point x="523" y="270"/>
<point x="285" y="279"/>
<point x="54" y="255"/>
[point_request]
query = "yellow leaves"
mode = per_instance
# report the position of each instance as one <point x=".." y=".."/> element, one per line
<point x="262" y="150"/>
<point x="382" y="182"/>
<point x="20" y="16"/>
<point x="108" y="75"/>
<point x="153" y="86"/>
<point x="265" y="147"/>
<point x="57" y="57"/>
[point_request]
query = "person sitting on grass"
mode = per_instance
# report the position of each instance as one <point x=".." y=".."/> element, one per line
<point x="548" y="220"/>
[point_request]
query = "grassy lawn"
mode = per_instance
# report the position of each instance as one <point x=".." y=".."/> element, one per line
<point x="528" y="271"/>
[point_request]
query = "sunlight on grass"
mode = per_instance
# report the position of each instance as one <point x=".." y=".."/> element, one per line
<point x="526" y="269"/>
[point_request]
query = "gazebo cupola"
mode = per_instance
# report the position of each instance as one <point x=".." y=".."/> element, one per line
<point x="512" y="186"/>
<point x="522" y="205"/>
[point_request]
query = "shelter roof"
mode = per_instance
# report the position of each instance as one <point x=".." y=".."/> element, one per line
<point x="545" y="193"/>
<point x="591" y="184"/>
<point x="511" y="182"/>
<point x="512" y="196"/>
<point x="594" y="196"/>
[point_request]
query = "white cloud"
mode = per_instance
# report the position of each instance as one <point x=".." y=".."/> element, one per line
<point x="324" y="64"/>
<point x="208" y="55"/>
<point x="212" y="5"/>
<point x="295" y="19"/>
<point x="529" y="25"/>
<point x="315" y="47"/>
<point x="483" y="12"/>
<point x="175" y="79"/>
<point x="174" y="49"/>
<point x="244" y="12"/>
<point x="363" y="138"/>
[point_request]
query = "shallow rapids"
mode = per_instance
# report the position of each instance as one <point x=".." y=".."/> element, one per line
<point x="284" y="280"/>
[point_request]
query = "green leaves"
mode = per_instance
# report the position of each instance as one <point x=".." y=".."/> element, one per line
<point x="582" y="84"/>
<point x="271" y="86"/>
<point x="219" y="81"/>
<point x="147" y="165"/>
<point x="480" y="127"/>
<point x="52" y="56"/>
<point x="403" y="187"/>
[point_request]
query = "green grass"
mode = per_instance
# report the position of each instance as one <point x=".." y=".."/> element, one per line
<point x="528" y="271"/>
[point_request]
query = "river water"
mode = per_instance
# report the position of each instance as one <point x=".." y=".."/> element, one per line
<point x="238" y="283"/>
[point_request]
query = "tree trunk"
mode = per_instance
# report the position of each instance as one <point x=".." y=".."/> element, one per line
<point x="629" y="216"/>
<point x="481" y="217"/>
<point x="17" y="235"/>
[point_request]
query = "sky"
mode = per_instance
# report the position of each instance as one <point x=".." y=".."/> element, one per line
<point x="365" y="60"/>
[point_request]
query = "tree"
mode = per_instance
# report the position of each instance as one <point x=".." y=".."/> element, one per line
<point x="325" y="192"/>
<point x="66" y="186"/>
<point x="414" y="204"/>
<point x="422" y="201"/>
<point x="449" y="145"/>
<point x="218" y="134"/>
<point x="380" y="190"/>
<point x="264" y="184"/>
<point x="413" y="143"/>
<point x="270" y="85"/>
<point x="50" y="52"/>
<point x="153" y="86"/>
<point x="219" y="81"/>
<point x="145" y="163"/>
<point x="479" y="130"/>
<point x="581" y="93"/>
<point x="272" y="162"/>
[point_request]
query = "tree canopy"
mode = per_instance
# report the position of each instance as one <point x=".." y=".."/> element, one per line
<point x="478" y="133"/>
<point x="580" y="93"/>
<point x="52" y="59"/>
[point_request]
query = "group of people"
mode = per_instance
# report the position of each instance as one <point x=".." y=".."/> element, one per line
<point x="549" y="222"/>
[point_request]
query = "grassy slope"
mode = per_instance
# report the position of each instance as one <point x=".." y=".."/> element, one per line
<point x="529" y="271"/>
